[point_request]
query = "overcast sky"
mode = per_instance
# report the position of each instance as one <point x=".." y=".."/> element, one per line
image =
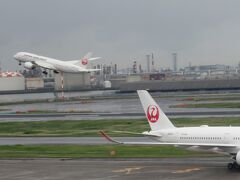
<point x="121" y="31"/>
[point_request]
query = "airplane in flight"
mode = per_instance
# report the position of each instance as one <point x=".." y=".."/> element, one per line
<point x="32" y="61"/>
<point x="223" y="140"/>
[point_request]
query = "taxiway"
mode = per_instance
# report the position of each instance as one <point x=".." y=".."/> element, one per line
<point x="64" y="140"/>
<point x="130" y="168"/>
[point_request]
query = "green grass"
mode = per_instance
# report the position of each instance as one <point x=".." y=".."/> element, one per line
<point x="93" y="151"/>
<point x="33" y="111"/>
<point x="70" y="128"/>
<point x="86" y="128"/>
<point x="211" y="121"/>
<point x="82" y="100"/>
<point x="90" y="128"/>
<point x="208" y="105"/>
<point x="229" y="97"/>
<point x="4" y="110"/>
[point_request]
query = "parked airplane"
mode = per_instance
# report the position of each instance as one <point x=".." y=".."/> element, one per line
<point x="32" y="61"/>
<point x="224" y="140"/>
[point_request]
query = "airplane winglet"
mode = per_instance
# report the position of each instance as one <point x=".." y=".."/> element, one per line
<point x="103" y="134"/>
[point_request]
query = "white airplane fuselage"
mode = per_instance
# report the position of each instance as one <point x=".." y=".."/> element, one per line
<point x="202" y="134"/>
<point x="223" y="140"/>
<point x="57" y="65"/>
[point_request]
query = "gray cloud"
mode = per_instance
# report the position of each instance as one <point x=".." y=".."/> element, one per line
<point x="203" y="32"/>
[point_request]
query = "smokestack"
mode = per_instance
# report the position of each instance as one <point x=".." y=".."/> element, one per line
<point x="135" y="67"/>
<point x="140" y="68"/>
<point x="115" y="68"/>
<point x="174" y="62"/>
<point x="148" y="63"/>
<point x="152" y="63"/>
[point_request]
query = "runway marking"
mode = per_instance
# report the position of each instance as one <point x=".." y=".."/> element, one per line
<point x="127" y="170"/>
<point x="186" y="170"/>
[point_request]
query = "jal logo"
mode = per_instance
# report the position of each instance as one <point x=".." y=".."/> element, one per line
<point x="153" y="113"/>
<point x="84" y="61"/>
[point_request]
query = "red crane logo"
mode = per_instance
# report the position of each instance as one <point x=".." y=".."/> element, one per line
<point x="84" y="61"/>
<point x="152" y="113"/>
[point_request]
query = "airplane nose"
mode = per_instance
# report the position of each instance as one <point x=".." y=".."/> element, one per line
<point x="16" y="56"/>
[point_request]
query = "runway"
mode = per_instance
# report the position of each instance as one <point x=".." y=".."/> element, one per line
<point x="10" y="117"/>
<point x="65" y="140"/>
<point x="108" y="109"/>
<point x="127" y="168"/>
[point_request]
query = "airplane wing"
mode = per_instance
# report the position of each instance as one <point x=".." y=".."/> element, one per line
<point x="132" y="133"/>
<point x="94" y="58"/>
<point x="89" y="70"/>
<point x="44" y="65"/>
<point x="163" y="143"/>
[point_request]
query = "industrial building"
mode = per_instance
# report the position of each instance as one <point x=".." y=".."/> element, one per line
<point x="34" y="83"/>
<point x="70" y="81"/>
<point x="181" y="85"/>
<point x="11" y="81"/>
<point x="152" y="77"/>
<point x="215" y="69"/>
<point x="16" y="82"/>
<point x="203" y="77"/>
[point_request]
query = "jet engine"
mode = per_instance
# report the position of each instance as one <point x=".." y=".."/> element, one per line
<point x="238" y="158"/>
<point x="29" y="65"/>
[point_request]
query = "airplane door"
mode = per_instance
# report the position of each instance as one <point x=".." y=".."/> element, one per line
<point x="227" y="137"/>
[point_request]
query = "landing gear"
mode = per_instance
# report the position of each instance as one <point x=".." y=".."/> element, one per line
<point x="230" y="166"/>
<point x="233" y="165"/>
<point x="19" y="63"/>
<point x="45" y="72"/>
<point x="56" y="72"/>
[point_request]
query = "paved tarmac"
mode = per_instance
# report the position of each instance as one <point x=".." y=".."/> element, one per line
<point x="127" y="168"/>
<point x="97" y="116"/>
<point x="109" y="109"/>
<point x="65" y="140"/>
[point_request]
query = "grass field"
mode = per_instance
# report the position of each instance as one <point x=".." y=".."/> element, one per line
<point x="91" y="128"/>
<point x="86" y="128"/>
<point x="103" y="151"/>
<point x="229" y="97"/>
<point x="82" y="100"/>
<point x="209" y="105"/>
<point x="90" y="99"/>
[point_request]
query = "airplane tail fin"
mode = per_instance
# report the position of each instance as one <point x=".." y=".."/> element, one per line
<point x="155" y="116"/>
<point x="88" y="55"/>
